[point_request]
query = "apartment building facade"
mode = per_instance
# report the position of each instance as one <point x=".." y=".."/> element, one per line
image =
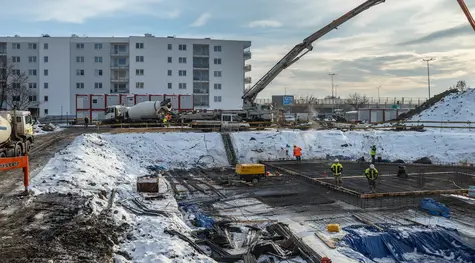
<point x="60" y="68"/>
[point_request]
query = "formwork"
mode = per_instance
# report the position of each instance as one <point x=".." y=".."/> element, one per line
<point x="391" y="191"/>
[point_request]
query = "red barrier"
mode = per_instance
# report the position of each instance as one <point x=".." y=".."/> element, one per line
<point x="17" y="163"/>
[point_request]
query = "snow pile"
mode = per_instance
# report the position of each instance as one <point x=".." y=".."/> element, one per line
<point x="456" y="107"/>
<point x="94" y="165"/>
<point x="448" y="147"/>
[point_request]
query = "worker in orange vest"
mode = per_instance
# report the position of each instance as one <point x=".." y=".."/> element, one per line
<point x="298" y="153"/>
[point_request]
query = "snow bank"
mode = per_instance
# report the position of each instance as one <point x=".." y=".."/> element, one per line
<point x="93" y="165"/>
<point x="448" y="147"/>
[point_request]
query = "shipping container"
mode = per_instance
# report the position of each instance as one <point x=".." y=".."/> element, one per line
<point x="174" y="100"/>
<point x="141" y="98"/>
<point x="186" y="102"/>
<point x="81" y="114"/>
<point x="156" y="97"/>
<point x="123" y="99"/>
<point x="82" y="102"/>
<point x="130" y="101"/>
<point x="97" y="115"/>
<point x="98" y="102"/>
<point x="112" y="99"/>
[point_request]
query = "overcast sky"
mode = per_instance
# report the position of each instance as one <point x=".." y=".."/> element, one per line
<point x="383" y="46"/>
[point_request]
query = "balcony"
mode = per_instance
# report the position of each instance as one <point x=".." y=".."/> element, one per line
<point x="3" y="52"/>
<point x="201" y="100"/>
<point x="247" y="68"/>
<point x="200" y="50"/>
<point x="119" y="52"/>
<point x="119" y="79"/>
<point x="247" y="80"/>
<point x="201" y="91"/>
<point x="201" y="66"/>
<point x="247" y="55"/>
<point x="114" y="90"/>
<point x="119" y="66"/>
<point x="200" y="79"/>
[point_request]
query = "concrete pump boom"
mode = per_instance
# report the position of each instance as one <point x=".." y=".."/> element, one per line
<point x="467" y="13"/>
<point x="295" y="54"/>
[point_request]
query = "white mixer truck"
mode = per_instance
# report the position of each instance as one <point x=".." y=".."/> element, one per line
<point x="16" y="133"/>
<point x="142" y="112"/>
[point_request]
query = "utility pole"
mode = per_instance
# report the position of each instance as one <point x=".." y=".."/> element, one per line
<point x="333" y="87"/>
<point x="428" y="72"/>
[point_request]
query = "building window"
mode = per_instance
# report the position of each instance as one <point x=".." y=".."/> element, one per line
<point x="32" y="98"/>
<point x="139" y="72"/>
<point x="32" y="85"/>
<point x="182" y="73"/>
<point x="139" y="45"/>
<point x="182" y="86"/>
<point x="169" y="72"/>
<point x="94" y="101"/>
<point x="45" y="59"/>
<point x="45" y="72"/>
<point x="182" y="60"/>
<point x="98" y="85"/>
<point x="31" y="72"/>
<point x="15" y="45"/>
<point x="45" y="46"/>
<point x="169" y="46"/>
<point x="17" y="72"/>
<point x="97" y="46"/>
<point x="217" y="61"/>
<point x="46" y="111"/>
<point x="98" y="72"/>
<point x="217" y="98"/>
<point x="139" y="85"/>
<point x="79" y="85"/>
<point x="80" y="45"/>
<point x="98" y="59"/>
<point x="32" y="59"/>
<point x="31" y="45"/>
<point x="169" y="59"/>
<point x="217" y="74"/>
<point x="46" y="98"/>
<point x="217" y="48"/>
<point x="139" y="59"/>
<point x="79" y="72"/>
<point x="16" y="59"/>
<point x="217" y="86"/>
<point x="182" y="47"/>
<point x="169" y="85"/>
<point x="80" y="59"/>
<point x="45" y="85"/>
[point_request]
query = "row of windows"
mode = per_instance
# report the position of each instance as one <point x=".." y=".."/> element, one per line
<point x="138" y="85"/>
<point x="31" y="59"/>
<point x="99" y="46"/>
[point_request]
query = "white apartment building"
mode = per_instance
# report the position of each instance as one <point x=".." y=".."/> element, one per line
<point x="59" y="68"/>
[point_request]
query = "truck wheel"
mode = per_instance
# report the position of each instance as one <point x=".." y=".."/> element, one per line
<point x="17" y="150"/>
<point x="255" y="181"/>
<point x="3" y="155"/>
<point x="27" y="147"/>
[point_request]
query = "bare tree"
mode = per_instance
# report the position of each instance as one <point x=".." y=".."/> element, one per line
<point x="14" y="90"/>
<point x="357" y="100"/>
<point x="460" y="86"/>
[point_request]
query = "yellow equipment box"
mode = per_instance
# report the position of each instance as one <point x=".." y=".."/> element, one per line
<point x="250" y="169"/>
<point x="333" y="228"/>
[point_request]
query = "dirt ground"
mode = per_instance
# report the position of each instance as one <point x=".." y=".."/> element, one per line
<point x="51" y="226"/>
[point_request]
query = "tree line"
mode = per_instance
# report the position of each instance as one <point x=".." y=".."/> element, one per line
<point x="14" y="87"/>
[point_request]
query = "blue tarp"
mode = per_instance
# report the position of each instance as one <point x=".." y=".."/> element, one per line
<point x="201" y="219"/>
<point x="434" y="208"/>
<point x="412" y="244"/>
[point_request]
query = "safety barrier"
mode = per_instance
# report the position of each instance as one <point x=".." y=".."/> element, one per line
<point x="17" y="163"/>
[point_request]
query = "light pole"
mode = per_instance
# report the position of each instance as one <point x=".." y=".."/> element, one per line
<point x="332" y="75"/>
<point x="428" y="72"/>
<point x="379" y="98"/>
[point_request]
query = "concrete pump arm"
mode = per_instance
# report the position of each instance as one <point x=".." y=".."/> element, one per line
<point x="296" y="53"/>
<point x="467" y="13"/>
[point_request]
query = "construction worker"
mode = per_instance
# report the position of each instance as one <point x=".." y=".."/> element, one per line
<point x="371" y="174"/>
<point x="86" y="122"/>
<point x="336" y="169"/>
<point x="297" y="153"/>
<point x="401" y="172"/>
<point x="373" y="154"/>
<point x="164" y="121"/>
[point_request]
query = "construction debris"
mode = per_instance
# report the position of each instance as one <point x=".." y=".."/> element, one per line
<point x="148" y="184"/>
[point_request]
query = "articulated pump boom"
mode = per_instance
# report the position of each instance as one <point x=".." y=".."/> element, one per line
<point x="295" y="54"/>
<point x="467" y="13"/>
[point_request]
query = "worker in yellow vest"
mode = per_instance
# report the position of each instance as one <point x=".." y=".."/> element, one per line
<point x="371" y="174"/>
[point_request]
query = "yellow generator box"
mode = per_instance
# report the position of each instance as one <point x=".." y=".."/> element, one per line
<point x="243" y="169"/>
<point x="333" y="228"/>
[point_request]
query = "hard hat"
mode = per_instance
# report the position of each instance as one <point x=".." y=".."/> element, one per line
<point x="295" y="145"/>
<point x="336" y="160"/>
<point x="371" y="166"/>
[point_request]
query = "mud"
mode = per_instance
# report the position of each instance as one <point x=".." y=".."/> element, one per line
<point x="56" y="227"/>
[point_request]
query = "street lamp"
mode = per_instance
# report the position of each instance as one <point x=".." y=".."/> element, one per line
<point x="332" y="75"/>
<point x="428" y="72"/>
<point x="379" y="98"/>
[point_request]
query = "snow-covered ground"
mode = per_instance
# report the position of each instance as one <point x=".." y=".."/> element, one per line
<point x="94" y="164"/>
<point x="448" y="147"/>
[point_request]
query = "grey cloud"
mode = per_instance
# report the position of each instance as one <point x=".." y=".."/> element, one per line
<point x="441" y="34"/>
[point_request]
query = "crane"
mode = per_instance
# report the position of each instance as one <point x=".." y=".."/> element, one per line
<point x="467" y="13"/>
<point x="296" y="53"/>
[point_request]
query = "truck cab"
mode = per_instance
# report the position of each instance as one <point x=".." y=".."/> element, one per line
<point x="16" y="133"/>
<point x="115" y="113"/>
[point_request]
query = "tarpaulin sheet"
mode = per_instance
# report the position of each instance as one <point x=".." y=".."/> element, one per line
<point x="200" y="218"/>
<point x="411" y="244"/>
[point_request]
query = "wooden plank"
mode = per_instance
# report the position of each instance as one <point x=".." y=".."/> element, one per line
<point x="414" y="193"/>
<point x="328" y="242"/>
<point x="366" y="221"/>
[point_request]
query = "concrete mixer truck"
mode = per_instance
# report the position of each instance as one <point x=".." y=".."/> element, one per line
<point x="16" y="133"/>
<point x="147" y="111"/>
